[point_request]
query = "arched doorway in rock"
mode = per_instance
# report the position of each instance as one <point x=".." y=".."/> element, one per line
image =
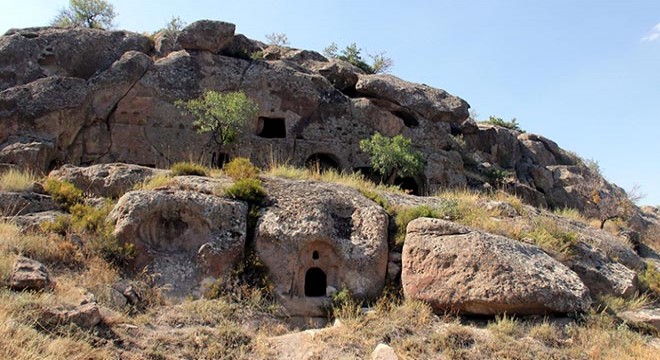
<point x="322" y="162"/>
<point x="315" y="282"/>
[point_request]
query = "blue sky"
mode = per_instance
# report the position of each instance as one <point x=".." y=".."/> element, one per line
<point x="583" y="73"/>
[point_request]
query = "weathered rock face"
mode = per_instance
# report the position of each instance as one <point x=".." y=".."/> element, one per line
<point x="85" y="316"/>
<point x="316" y="236"/>
<point x="28" y="274"/>
<point x="184" y="236"/>
<point x="649" y="317"/>
<point x="206" y="35"/>
<point x="89" y="96"/>
<point x="454" y="268"/>
<point x="22" y="203"/>
<point x="30" y="54"/>
<point x="106" y="180"/>
<point x="603" y="277"/>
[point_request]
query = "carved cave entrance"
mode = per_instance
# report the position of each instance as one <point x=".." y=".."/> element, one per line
<point x="272" y="128"/>
<point x="322" y="162"/>
<point x="315" y="282"/>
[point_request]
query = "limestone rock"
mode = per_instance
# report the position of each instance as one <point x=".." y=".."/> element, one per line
<point x="28" y="274"/>
<point x="341" y="74"/>
<point x="383" y="352"/>
<point x="206" y="35"/>
<point x="182" y="235"/>
<point x="23" y="203"/>
<point x="433" y="104"/>
<point x="455" y="268"/>
<point x="33" y="221"/>
<point x="106" y="180"/>
<point x="316" y="235"/>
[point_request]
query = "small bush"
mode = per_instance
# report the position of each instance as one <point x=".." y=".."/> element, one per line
<point x="512" y="125"/>
<point x="250" y="190"/>
<point x="344" y="306"/>
<point x="649" y="279"/>
<point x="16" y="180"/>
<point x="241" y="168"/>
<point x="189" y="168"/>
<point x="506" y="326"/>
<point x="551" y="238"/>
<point x="64" y="193"/>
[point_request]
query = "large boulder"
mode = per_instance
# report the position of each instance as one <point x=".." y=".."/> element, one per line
<point x="29" y="54"/>
<point x="600" y="274"/>
<point x="317" y="236"/>
<point x="434" y="104"/>
<point x="106" y="180"/>
<point x="206" y="35"/>
<point x="454" y="268"/>
<point x="186" y="237"/>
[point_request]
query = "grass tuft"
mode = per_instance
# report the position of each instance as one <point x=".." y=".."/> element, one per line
<point x="240" y="168"/>
<point x="17" y="180"/>
<point x="63" y="192"/>
<point x="189" y="168"/>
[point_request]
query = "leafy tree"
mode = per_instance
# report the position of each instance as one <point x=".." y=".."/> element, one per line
<point x="277" y="39"/>
<point x="352" y="54"/>
<point x="174" y="26"/>
<point x="94" y="14"/>
<point x="392" y="157"/>
<point x="225" y="116"/>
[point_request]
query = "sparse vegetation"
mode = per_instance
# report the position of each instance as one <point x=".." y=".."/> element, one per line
<point x="240" y="168"/>
<point x="392" y="157"/>
<point x="550" y="237"/>
<point x="154" y="182"/>
<point x="649" y="280"/>
<point x="63" y="192"/>
<point x="352" y="54"/>
<point x="250" y="190"/>
<point x="17" y="180"/>
<point x="277" y="39"/>
<point x="406" y="215"/>
<point x="189" y="168"/>
<point x="511" y="125"/>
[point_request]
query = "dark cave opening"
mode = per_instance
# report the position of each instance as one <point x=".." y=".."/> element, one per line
<point x="315" y="282"/>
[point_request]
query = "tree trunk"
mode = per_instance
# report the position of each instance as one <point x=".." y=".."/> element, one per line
<point x="391" y="178"/>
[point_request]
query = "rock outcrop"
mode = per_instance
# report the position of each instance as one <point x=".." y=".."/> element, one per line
<point x="185" y="237"/>
<point x="28" y="274"/>
<point x="314" y="236"/>
<point x="454" y="268"/>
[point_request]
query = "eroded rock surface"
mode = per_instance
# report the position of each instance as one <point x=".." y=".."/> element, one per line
<point x="455" y="268"/>
<point x="184" y="236"/>
<point x="316" y="235"/>
<point x="28" y="274"/>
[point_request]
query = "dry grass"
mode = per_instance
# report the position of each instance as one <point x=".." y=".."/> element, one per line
<point x="572" y="214"/>
<point x="154" y="182"/>
<point x="618" y="304"/>
<point x="17" y="180"/>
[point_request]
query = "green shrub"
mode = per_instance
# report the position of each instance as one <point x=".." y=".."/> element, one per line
<point x="649" y="279"/>
<point x="64" y="193"/>
<point x="551" y="238"/>
<point x="240" y="168"/>
<point x="250" y="190"/>
<point x="512" y="125"/>
<point x="189" y="168"/>
<point x="111" y="249"/>
<point x="378" y="199"/>
<point x="343" y="306"/>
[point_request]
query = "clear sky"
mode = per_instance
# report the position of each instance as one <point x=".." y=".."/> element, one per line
<point x="585" y="73"/>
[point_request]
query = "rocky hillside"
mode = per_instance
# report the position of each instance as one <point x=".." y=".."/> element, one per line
<point x="84" y="96"/>
<point x="118" y="254"/>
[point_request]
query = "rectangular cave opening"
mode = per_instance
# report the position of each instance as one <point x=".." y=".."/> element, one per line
<point x="272" y="128"/>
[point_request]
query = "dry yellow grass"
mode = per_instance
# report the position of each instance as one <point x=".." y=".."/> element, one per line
<point x="17" y="180"/>
<point x="153" y="182"/>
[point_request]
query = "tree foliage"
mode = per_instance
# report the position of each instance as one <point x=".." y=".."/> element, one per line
<point x="223" y="115"/>
<point x="392" y="157"/>
<point x="353" y="54"/>
<point x="94" y="14"/>
<point x="512" y="125"/>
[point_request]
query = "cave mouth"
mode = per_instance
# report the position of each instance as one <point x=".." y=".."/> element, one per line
<point x="218" y="160"/>
<point x="408" y="184"/>
<point x="409" y="119"/>
<point x="272" y="128"/>
<point x="322" y="162"/>
<point x="315" y="282"/>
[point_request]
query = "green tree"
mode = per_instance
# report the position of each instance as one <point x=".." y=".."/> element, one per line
<point x="392" y="157"/>
<point x="353" y="54"/>
<point x="224" y="115"/>
<point x="94" y="14"/>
